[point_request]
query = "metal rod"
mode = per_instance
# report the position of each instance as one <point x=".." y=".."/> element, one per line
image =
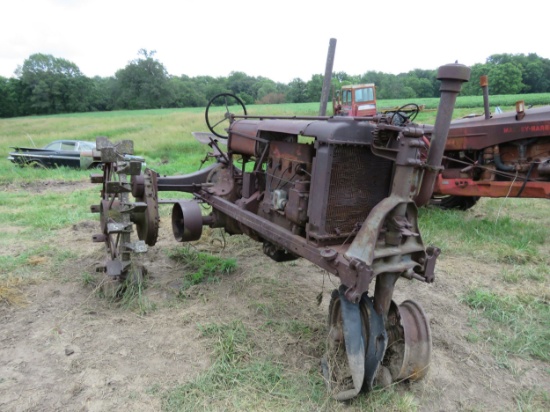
<point x="328" y="76"/>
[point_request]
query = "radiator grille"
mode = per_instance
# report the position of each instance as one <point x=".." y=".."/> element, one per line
<point x="358" y="182"/>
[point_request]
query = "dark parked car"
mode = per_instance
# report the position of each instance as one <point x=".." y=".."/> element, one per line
<point x="70" y="153"/>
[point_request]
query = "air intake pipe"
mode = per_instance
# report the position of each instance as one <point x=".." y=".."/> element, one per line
<point x="452" y="76"/>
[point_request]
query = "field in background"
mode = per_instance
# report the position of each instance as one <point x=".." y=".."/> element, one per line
<point x="250" y="328"/>
<point x="163" y="136"/>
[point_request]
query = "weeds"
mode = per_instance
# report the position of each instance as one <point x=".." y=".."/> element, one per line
<point x="55" y="211"/>
<point x="245" y="376"/>
<point x="201" y="267"/>
<point x="128" y="294"/>
<point x="88" y="279"/>
<point x="131" y="296"/>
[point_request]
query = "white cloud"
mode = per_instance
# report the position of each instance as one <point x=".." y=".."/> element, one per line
<point x="281" y="40"/>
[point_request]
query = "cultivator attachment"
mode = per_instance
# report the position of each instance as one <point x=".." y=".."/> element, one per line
<point x="118" y="212"/>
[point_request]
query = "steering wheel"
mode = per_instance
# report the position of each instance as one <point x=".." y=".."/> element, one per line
<point x="215" y="119"/>
<point x="407" y="112"/>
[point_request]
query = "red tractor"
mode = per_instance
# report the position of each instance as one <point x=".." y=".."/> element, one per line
<point x="355" y="100"/>
<point x="491" y="155"/>
<point x="496" y="155"/>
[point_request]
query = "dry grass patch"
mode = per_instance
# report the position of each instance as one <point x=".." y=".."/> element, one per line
<point x="10" y="293"/>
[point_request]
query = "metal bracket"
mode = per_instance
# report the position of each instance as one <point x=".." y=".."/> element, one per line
<point x="432" y="253"/>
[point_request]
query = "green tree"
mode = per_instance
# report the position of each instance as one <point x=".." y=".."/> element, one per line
<point x="104" y="90"/>
<point x="264" y="87"/>
<point x="390" y="87"/>
<point x="53" y="85"/>
<point x="315" y="87"/>
<point x="143" y="83"/>
<point x="536" y="75"/>
<point x="472" y="87"/>
<point x="185" y="93"/>
<point x="242" y="85"/>
<point x="505" y="79"/>
<point x="423" y="82"/>
<point x="535" y="70"/>
<point x="378" y="78"/>
<point x="10" y="91"/>
<point x="209" y="86"/>
<point x="297" y="92"/>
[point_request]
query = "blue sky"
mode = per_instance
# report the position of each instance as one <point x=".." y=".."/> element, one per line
<point x="281" y="40"/>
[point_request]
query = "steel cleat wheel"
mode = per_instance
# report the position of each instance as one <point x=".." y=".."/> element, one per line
<point x="117" y="212"/>
<point x="146" y="213"/>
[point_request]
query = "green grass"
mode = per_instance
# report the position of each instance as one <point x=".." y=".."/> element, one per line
<point x="25" y="260"/>
<point x="496" y="238"/>
<point x="47" y="211"/>
<point x="539" y="274"/>
<point x="11" y="173"/>
<point x="518" y="325"/>
<point x="245" y="376"/>
<point x="132" y="296"/>
<point x="473" y="102"/>
<point x="532" y="400"/>
<point x="163" y="136"/>
<point x="200" y="267"/>
<point x="240" y="380"/>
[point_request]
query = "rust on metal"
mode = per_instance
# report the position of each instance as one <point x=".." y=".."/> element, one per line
<point x="497" y="155"/>
<point x="339" y="192"/>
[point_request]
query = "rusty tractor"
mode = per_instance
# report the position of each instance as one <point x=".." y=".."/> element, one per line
<point x="491" y="155"/>
<point x="496" y="155"/>
<point x="340" y="192"/>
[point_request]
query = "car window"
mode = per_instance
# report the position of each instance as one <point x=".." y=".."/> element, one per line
<point x="68" y="146"/>
<point x="53" y="146"/>
<point x="84" y="146"/>
<point x="364" y="95"/>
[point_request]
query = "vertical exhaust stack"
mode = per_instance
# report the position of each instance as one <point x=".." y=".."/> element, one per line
<point x="452" y="76"/>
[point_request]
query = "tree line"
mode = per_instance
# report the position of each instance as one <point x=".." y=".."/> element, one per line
<point x="45" y="84"/>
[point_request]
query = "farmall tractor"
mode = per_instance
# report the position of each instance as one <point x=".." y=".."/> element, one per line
<point x="496" y="155"/>
<point x="341" y="192"/>
<point x="490" y="155"/>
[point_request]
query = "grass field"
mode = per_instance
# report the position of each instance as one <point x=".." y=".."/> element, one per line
<point x="494" y="271"/>
<point x="163" y="137"/>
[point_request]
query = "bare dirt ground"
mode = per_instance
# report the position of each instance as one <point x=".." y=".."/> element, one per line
<point x="68" y="349"/>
